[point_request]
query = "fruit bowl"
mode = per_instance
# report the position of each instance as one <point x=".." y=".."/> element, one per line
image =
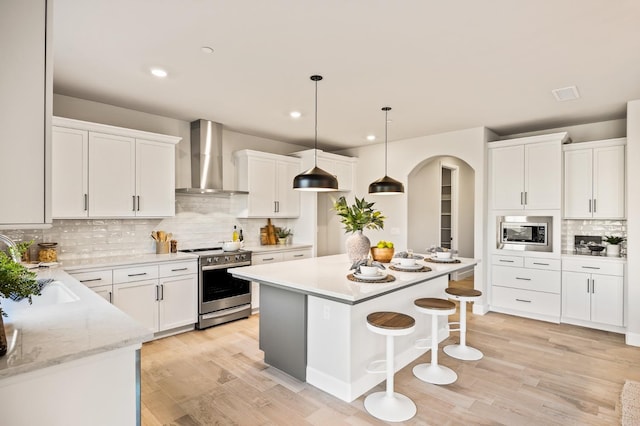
<point x="382" y="255"/>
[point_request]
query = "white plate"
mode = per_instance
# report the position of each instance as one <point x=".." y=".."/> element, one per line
<point x="379" y="276"/>
<point x="408" y="267"/>
<point x="439" y="259"/>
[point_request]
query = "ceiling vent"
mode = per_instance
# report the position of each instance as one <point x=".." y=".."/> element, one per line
<point x="566" y="93"/>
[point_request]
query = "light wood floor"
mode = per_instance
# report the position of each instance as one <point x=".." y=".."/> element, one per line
<point x="532" y="373"/>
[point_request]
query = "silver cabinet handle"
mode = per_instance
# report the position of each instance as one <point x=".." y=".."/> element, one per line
<point x="266" y="259"/>
<point x="110" y="297"/>
<point x="594" y="206"/>
<point x="523" y="279"/>
<point x="522" y="198"/>
<point x="591" y="267"/>
<point x="589" y="205"/>
<point x="137" y="275"/>
<point x="138" y="200"/>
<point x="298" y="255"/>
<point x="157" y="293"/>
<point x="525" y="198"/>
<point x="506" y="261"/>
<point x="91" y="280"/>
<point x="523" y="300"/>
<point x="133" y="197"/>
<point x="588" y="285"/>
<point x="179" y="269"/>
<point x="161" y="291"/>
<point x="538" y="263"/>
<point x="593" y="285"/>
<point x="86" y="202"/>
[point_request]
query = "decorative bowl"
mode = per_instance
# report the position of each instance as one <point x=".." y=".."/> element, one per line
<point x="382" y="255"/>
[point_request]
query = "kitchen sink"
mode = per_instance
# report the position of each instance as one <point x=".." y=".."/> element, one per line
<point x="53" y="293"/>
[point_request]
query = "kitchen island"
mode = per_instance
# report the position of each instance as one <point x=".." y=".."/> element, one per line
<point x="73" y="359"/>
<point x="313" y="319"/>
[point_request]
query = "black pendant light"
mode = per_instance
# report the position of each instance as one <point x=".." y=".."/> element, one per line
<point x="386" y="185"/>
<point x="315" y="179"/>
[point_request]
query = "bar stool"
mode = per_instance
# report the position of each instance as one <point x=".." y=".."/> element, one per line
<point x="390" y="406"/>
<point x="462" y="351"/>
<point x="433" y="372"/>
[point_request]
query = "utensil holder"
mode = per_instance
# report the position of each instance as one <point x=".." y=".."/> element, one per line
<point x="162" y="247"/>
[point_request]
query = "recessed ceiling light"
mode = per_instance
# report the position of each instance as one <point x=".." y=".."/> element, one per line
<point x="371" y="138"/>
<point x="206" y="49"/>
<point x="158" y="72"/>
<point x="295" y="114"/>
<point x="569" y="93"/>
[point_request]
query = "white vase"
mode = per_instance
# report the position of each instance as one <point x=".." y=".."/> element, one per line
<point x="358" y="246"/>
<point x="613" y="250"/>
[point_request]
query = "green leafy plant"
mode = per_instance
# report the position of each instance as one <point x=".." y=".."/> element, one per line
<point x="358" y="216"/>
<point x="283" y="232"/>
<point x="613" y="240"/>
<point x="15" y="279"/>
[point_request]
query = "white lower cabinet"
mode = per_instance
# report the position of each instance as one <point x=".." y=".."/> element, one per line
<point x="160" y="296"/>
<point x="593" y="293"/>
<point x="273" y="257"/>
<point x="529" y="287"/>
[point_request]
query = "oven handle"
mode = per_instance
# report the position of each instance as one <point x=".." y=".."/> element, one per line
<point x="235" y="265"/>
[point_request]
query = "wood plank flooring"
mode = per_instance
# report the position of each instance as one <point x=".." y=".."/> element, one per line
<point x="532" y="373"/>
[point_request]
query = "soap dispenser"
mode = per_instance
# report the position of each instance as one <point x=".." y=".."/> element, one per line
<point x="236" y="236"/>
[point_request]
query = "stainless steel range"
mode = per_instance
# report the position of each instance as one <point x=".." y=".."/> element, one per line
<point x="221" y="297"/>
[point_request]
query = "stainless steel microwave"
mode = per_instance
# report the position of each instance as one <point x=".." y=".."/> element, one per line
<point x="528" y="233"/>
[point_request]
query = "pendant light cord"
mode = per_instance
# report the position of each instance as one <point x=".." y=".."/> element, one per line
<point x="386" y="124"/>
<point x="315" y="144"/>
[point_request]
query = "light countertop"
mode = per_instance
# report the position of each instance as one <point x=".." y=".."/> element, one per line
<point x="125" y="260"/>
<point x="49" y="335"/>
<point x="327" y="277"/>
<point x="276" y="247"/>
<point x="572" y="255"/>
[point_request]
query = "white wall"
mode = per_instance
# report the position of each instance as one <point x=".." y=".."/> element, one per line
<point x="633" y="223"/>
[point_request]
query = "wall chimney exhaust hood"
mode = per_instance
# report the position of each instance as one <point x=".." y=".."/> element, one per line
<point x="206" y="161"/>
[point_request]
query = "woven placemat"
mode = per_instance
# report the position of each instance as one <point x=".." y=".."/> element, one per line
<point x="401" y="269"/>
<point x="428" y="259"/>
<point x="388" y="279"/>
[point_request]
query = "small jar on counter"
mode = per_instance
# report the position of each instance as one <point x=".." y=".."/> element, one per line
<point x="48" y="252"/>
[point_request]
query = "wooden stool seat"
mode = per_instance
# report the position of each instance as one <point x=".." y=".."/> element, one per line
<point x="462" y="351"/>
<point x="390" y="406"/>
<point x="433" y="372"/>
<point x="463" y="292"/>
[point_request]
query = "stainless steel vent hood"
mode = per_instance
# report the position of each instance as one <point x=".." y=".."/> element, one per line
<point x="206" y="160"/>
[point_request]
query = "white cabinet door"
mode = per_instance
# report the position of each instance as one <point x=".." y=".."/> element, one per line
<point x="104" y="291"/>
<point x="543" y="176"/>
<point x="576" y="297"/>
<point x="607" y="299"/>
<point x="139" y="300"/>
<point x="287" y="199"/>
<point x="69" y="173"/>
<point x="608" y="182"/>
<point x="178" y="301"/>
<point x="578" y="177"/>
<point x="507" y="177"/>
<point x="155" y="179"/>
<point x="111" y="175"/>
<point x="262" y="177"/>
<point x="25" y="100"/>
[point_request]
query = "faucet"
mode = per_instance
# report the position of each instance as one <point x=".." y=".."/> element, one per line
<point x="13" y="248"/>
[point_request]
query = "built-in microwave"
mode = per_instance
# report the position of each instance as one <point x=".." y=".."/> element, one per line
<point x="528" y="233"/>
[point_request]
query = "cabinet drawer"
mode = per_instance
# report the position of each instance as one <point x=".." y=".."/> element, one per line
<point x="525" y="300"/>
<point x="262" y="258"/>
<point x="527" y="279"/>
<point x="296" y="255"/>
<point x="94" y="278"/>
<point x="542" y="263"/>
<point x="178" y="268"/>
<point x="135" y="273"/>
<point x="498" y="259"/>
<point x="593" y="266"/>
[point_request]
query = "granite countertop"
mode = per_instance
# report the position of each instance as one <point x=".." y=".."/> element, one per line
<point x="277" y="247"/>
<point x="125" y="260"/>
<point x="572" y="255"/>
<point x="327" y="277"/>
<point x="51" y="334"/>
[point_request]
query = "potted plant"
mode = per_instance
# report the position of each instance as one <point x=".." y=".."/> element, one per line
<point x="613" y="247"/>
<point x="356" y="218"/>
<point x="283" y="234"/>
<point x="15" y="281"/>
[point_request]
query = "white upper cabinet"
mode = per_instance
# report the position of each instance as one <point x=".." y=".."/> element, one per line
<point x="526" y="173"/>
<point x="340" y="166"/>
<point x="594" y="180"/>
<point x="269" y="180"/>
<point x="113" y="172"/>
<point x="25" y="112"/>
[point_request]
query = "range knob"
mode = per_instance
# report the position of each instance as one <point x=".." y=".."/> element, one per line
<point x="226" y="259"/>
<point x="209" y="260"/>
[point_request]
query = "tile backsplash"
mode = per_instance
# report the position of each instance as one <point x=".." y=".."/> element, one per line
<point x="199" y="222"/>
<point x="572" y="227"/>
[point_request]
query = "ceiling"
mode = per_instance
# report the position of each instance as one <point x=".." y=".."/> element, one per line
<point x="441" y="66"/>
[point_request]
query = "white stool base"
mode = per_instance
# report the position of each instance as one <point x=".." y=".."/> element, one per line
<point x="435" y="374"/>
<point x="465" y="353"/>
<point x="397" y="408"/>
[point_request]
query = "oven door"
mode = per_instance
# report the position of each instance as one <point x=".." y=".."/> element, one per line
<point x="220" y="290"/>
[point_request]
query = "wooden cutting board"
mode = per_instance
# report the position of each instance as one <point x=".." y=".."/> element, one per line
<point x="268" y="234"/>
